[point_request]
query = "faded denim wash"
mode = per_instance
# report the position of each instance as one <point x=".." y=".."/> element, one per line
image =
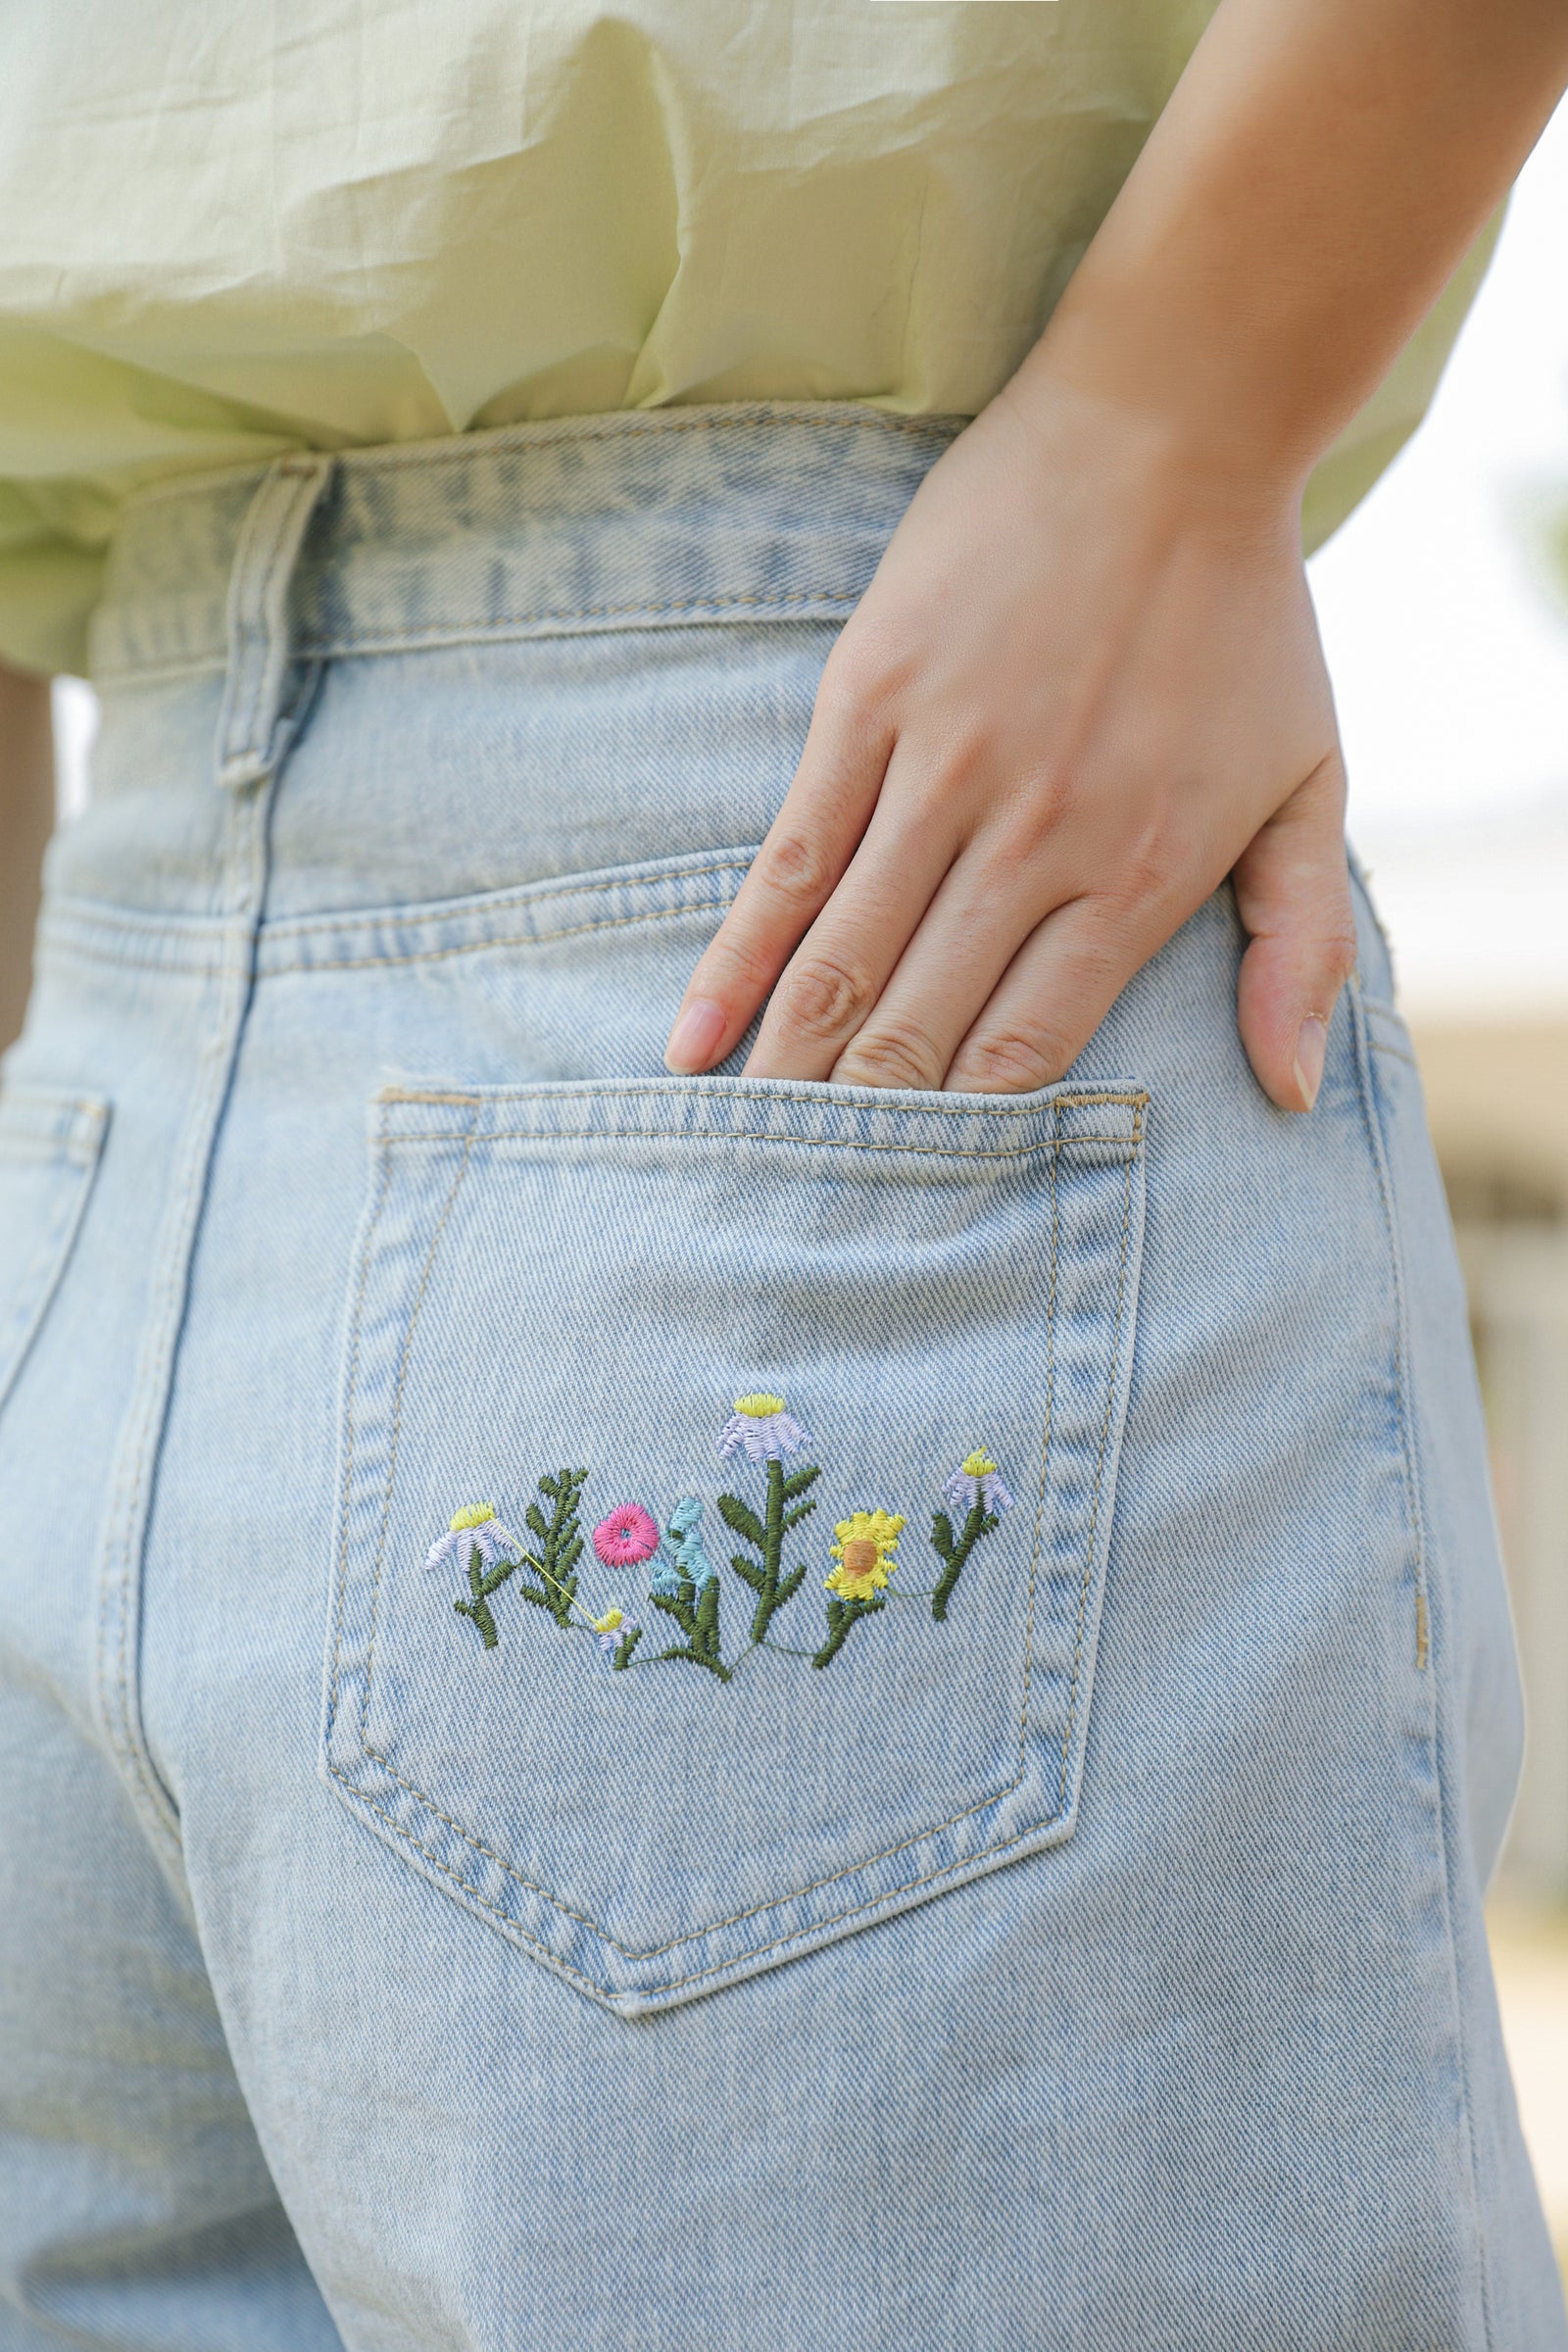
<point x="1079" y="1945"/>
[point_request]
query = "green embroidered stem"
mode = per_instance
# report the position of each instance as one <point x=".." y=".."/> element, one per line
<point x="627" y="1643"/>
<point x="954" y="1552"/>
<point x="771" y="1586"/>
<point x="481" y="1586"/>
<point x="698" y="1619"/>
<point x="843" y="1616"/>
<point x="559" y="1541"/>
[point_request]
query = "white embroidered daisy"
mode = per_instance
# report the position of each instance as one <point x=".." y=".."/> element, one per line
<point x="976" y="1480"/>
<point x="761" y="1427"/>
<point x="474" y="1528"/>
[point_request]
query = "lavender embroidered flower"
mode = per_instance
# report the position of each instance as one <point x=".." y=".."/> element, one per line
<point x="977" y="1480"/>
<point x="627" y="1538"/>
<point x="762" y="1426"/>
<point x="618" y="1636"/>
<point x="473" y="1529"/>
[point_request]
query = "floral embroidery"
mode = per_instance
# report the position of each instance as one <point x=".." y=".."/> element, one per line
<point x="976" y="1480"/>
<point x="975" y="1488"/>
<point x="491" y="1549"/>
<point x="864" y="1545"/>
<point x="627" y="1538"/>
<point x="769" y="1434"/>
<point x="477" y="1523"/>
<point x="560" y="1541"/>
<point x="618" y="1636"/>
<point x="683" y="1583"/>
<point x="687" y="1556"/>
<point x="761" y="1424"/>
<point x="693" y="1597"/>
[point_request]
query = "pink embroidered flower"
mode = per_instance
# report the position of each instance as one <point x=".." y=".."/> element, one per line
<point x="627" y="1538"/>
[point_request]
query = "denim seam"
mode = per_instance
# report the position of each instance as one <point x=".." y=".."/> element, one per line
<point x="1100" y="1466"/>
<point x="741" y="1135"/>
<point x="351" y="1393"/>
<point x="395" y="1433"/>
<point x="1372" y="1117"/>
<point x="829" y="605"/>
<point x="482" y="947"/>
<point x="934" y="1108"/>
<point x="524" y="894"/>
<point x="853" y="1870"/>
<point x="550" y="433"/>
<point x="719" y="1968"/>
<point x="269" y="970"/>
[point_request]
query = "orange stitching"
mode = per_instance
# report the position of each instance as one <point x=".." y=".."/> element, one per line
<point x="741" y="1135"/>
<point x="397" y="1420"/>
<point x="524" y="893"/>
<point x="349" y="1431"/>
<point x="935" y="1107"/>
<point x="1099" y="1465"/>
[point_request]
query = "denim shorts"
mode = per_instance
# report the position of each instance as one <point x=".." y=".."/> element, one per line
<point x="695" y="1714"/>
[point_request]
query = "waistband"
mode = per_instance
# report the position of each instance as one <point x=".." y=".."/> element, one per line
<point x="644" y="518"/>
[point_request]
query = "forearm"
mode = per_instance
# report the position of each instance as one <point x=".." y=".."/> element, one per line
<point x="26" y="817"/>
<point x="1312" y="185"/>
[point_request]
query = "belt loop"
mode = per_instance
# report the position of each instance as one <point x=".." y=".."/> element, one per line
<point x="253" y="724"/>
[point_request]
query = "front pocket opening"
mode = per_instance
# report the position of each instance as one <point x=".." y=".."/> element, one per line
<point x="814" y="1391"/>
<point x="50" y="1142"/>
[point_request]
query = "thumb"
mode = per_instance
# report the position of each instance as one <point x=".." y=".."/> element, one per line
<point x="1292" y="893"/>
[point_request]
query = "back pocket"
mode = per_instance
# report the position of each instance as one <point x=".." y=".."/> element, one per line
<point x="49" y="1147"/>
<point x="726" y="1486"/>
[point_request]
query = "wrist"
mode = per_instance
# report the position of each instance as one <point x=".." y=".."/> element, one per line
<point x="1241" y="432"/>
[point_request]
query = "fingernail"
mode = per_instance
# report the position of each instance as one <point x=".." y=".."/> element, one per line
<point x="1312" y="1045"/>
<point x="695" y="1038"/>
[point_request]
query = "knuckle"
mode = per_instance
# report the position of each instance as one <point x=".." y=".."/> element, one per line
<point x="796" y="867"/>
<point x="821" y="999"/>
<point x="890" y="1058"/>
<point x="1010" y="1061"/>
<point x="1340" y="950"/>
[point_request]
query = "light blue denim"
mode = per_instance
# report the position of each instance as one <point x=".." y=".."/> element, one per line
<point x="1052" y="1921"/>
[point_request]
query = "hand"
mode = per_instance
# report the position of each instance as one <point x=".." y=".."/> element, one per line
<point x="1084" y="686"/>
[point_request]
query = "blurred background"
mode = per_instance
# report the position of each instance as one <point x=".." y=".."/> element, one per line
<point x="1444" y="606"/>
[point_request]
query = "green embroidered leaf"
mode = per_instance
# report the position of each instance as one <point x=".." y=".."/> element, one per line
<point x="842" y="1618"/>
<point x="624" y="1648"/>
<point x="681" y="1609"/>
<point x="802" y="1511"/>
<point x="942" y="1536"/>
<point x="792" y="1585"/>
<point x="536" y="1522"/>
<point x="742" y="1519"/>
<point x="749" y="1570"/>
<point x="800" y="1480"/>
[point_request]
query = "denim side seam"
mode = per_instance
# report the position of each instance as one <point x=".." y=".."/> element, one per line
<point x="276" y="528"/>
<point x="1362" y="1050"/>
<point x="863" y="1862"/>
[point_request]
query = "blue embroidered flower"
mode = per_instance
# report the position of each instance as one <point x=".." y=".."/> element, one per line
<point x="473" y="1529"/>
<point x="976" y="1481"/>
<point x="687" y="1561"/>
<point x="760" y="1425"/>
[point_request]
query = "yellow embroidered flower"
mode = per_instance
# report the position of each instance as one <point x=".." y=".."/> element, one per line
<point x="866" y="1543"/>
<point x="610" y="1621"/>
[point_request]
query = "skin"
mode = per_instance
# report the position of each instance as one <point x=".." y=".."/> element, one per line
<point x="1085" y="684"/>
<point x="26" y="814"/>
